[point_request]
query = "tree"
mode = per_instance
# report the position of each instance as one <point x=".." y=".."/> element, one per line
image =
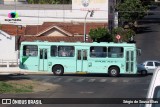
<point x="131" y="10"/>
<point x="100" y="35"/>
<point x="127" y="35"/>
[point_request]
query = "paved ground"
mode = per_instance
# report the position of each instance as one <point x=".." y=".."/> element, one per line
<point x="86" y="86"/>
<point x="148" y="39"/>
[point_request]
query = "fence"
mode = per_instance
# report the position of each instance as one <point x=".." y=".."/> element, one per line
<point x="9" y="63"/>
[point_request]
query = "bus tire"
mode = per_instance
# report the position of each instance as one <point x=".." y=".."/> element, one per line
<point x="114" y="71"/>
<point x="58" y="70"/>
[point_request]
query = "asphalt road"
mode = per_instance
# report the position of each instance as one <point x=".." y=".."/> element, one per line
<point x="86" y="86"/>
<point x="148" y="39"/>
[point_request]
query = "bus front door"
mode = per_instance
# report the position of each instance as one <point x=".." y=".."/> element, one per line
<point x="130" y="61"/>
<point x="43" y="59"/>
<point x="82" y="60"/>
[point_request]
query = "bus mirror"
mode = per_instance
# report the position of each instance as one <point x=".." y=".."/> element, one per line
<point x="139" y="52"/>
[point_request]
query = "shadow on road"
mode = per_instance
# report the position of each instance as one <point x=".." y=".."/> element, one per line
<point x="13" y="77"/>
<point x="105" y="75"/>
<point x="31" y="76"/>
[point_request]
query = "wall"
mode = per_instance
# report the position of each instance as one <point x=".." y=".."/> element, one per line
<point x="34" y="17"/>
<point x="7" y="47"/>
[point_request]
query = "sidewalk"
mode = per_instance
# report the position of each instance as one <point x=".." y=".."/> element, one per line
<point x="17" y="70"/>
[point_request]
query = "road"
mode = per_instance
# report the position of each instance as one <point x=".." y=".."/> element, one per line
<point x="148" y="39"/>
<point x="87" y="86"/>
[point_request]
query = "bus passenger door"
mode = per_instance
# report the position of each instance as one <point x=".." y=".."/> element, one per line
<point x="82" y="60"/>
<point x="43" y="59"/>
<point x="130" y="61"/>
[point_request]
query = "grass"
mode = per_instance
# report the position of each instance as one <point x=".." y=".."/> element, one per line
<point x="14" y="88"/>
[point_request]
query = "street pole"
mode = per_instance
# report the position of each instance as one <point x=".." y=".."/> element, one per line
<point x="85" y="27"/>
<point x="91" y="15"/>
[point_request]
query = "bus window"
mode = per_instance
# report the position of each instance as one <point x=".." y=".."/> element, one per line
<point x="115" y="52"/>
<point x="53" y="50"/>
<point x="66" y="51"/>
<point x="30" y="50"/>
<point x="84" y="54"/>
<point x="45" y="53"/>
<point x="98" y="52"/>
<point x="79" y="55"/>
<point x="41" y="54"/>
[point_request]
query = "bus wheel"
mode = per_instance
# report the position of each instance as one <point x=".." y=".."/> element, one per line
<point x="113" y="71"/>
<point x="58" y="70"/>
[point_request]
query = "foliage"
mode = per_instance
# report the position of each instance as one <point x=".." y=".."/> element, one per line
<point x="126" y="34"/>
<point x="49" y="1"/>
<point x="131" y="10"/>
<point x="14" y="88"/>
<point x="100" y="35"/>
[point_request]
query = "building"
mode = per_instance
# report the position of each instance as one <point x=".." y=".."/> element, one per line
<point x="9" y="2"/>
<point x="78" y="11"/>
<point x="9" y="47"/>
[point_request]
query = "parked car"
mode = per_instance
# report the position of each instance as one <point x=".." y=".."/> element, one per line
<point x="148" y="66"/>
<point x="153" y="91"/>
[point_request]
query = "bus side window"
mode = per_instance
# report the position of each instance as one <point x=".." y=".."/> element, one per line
<point x="84" y="54"/>
<point x="53" y="51"/>
<point x="98" y="52"/>
<point x="115" y="52"/>
<point x="41" y="53"/>
<point x="30" y="50"/>
<point x="79" y="55"/>
<point x="45" y="53"/>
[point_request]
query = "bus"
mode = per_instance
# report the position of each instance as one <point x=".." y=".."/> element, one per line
<point x="77" y="57"/>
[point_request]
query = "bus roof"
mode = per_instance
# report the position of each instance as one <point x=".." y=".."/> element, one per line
<point x="79" y="43"/>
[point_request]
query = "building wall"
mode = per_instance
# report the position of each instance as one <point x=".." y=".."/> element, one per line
<point x="13" y="1"/>
<point x="7" y="47"/>
<point x="54" y="33"/>
<point x="37" y="14"/>
<point x="37" y="17"/>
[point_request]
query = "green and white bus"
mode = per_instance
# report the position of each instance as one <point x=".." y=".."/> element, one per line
<point x="64" y="57"/>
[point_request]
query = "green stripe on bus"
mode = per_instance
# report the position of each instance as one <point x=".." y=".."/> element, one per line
<point x="24" y="59"/>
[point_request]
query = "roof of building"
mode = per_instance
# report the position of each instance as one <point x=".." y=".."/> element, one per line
<point x="72" y="28"/>
<point x="54" y="39"/>
<point x="13" y="30"/>
<point x="73" y="31"/>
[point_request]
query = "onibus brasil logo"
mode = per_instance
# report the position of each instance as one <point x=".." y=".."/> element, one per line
<point x="13" y="17"/>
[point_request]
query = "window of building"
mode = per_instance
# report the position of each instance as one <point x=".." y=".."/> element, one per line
<point x="115" y="52"/>
<point x="98" y="52"/>
<point x="30" y="50"/>
<point x="66" y="51"/>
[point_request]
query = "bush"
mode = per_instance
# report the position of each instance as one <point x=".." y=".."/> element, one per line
<point x="100" y="35"/>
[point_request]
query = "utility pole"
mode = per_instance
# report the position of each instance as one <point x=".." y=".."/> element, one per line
<point x="91" y="15"/>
